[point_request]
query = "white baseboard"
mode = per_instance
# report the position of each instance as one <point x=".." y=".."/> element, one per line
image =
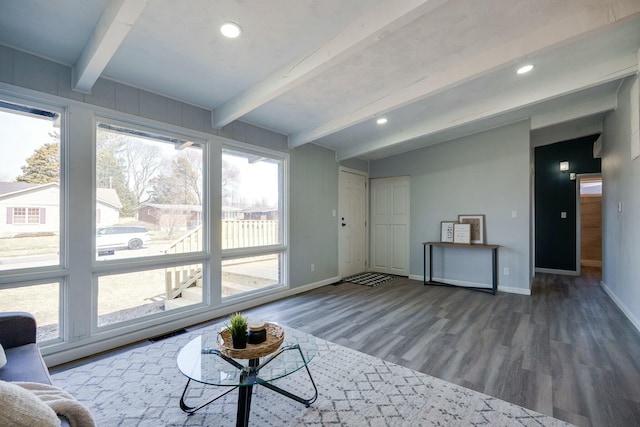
<point x="556" y="271"/>
<point x="633" y="319"/>
<point x="461" y="283"/>
<point x="512" y="290"/>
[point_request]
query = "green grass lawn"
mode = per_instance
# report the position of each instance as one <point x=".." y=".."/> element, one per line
<point x="23" y="246"/>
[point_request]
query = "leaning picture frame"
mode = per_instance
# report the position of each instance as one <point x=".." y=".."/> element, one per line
<point x="477" y="226"/>
<point x="461" y="233"/>
<point x="446" y="231"/>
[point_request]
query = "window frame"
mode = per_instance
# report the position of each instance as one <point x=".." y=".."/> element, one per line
<point x="101" y="268"/>
<point x="282" y="248"/>
<point x="76" y="270"/>
<point x="55" y="273"/>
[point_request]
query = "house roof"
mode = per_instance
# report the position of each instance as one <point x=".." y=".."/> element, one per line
<point x="11" y="189"/>
<point x="322" y="71"/>
<point x="109" y="196"/>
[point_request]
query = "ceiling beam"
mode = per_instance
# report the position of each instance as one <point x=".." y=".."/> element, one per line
<point x="506" y="104"/>
<point x="117" y="18"/>
<point x="576" y="111"/>
<point x="510" y="53"/>
<point x="384" y="18"/>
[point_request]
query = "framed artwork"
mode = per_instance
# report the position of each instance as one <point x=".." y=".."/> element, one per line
<point x="477" y="227"/>
<point x="461" y="233"/>
<point x="446" y="231"/>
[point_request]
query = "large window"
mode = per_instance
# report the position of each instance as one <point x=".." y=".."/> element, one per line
<point x="148" y="193"/>
<point x="149" y="203"/>
<point x="31" y="275"/>
<point x="105" y="223"/>
<point x="252" y="232"/>
<point x="29" y="187"/>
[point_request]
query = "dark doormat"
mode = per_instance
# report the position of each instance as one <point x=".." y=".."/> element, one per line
<point x="369" y="279"/>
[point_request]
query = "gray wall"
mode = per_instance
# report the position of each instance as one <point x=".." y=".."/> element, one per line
<point x="313" y="228"/>
<point x="621" y="234"/>
<point x="486" y="173"/>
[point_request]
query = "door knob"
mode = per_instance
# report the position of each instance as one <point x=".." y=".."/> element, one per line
<point x="344" y="225"/>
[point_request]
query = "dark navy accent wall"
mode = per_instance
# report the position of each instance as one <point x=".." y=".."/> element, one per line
<point x="556" y="193"/>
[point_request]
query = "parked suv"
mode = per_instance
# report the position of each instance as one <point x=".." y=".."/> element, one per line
<point x="132" y="237"/>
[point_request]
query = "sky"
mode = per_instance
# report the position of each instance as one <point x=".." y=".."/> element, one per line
<point x="20" y="137"/>
<point x="259" y="180"/>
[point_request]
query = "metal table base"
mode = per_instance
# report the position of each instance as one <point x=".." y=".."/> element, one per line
<point x="249" y="376"/>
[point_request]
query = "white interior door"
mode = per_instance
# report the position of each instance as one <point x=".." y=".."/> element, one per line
<point x="390" y="200"/>
<point x="352" y="223"/>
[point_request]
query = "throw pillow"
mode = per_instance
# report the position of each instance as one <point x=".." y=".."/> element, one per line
<point x="21" y="408"/>
<point x="3" y="357"/>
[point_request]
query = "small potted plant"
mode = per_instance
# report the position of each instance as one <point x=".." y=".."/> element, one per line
<point x="238" y="329"/>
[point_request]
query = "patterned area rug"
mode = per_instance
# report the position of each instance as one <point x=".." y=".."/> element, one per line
<point x="369" y="279"/>
<point x="142" y="387"/>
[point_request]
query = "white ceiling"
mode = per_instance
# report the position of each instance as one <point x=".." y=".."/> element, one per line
<point x="321" y="71"/>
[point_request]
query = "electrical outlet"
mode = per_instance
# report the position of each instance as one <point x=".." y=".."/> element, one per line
<point x="506" y="271"/>
<point x="313" y="267"/>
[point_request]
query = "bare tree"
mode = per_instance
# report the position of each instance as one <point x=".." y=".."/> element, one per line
<point x="142" y="162"/>
<point x="230" y="180"/>
<point x="191" y="162"/>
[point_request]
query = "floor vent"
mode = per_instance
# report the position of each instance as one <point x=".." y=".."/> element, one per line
<point x="169" y="335"/>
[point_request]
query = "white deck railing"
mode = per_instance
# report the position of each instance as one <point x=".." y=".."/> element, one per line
<point x="249" y="233"/>
<point x="234" y="234"/>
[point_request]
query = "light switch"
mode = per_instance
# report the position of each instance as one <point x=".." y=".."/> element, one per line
<point x="563" y="214"/>
<point x="619" y="206"/>
<point x="333" y="212"/>
<point x="514" y="214"/>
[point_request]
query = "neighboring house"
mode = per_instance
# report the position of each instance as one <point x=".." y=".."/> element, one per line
<point x="260" y="213"/>
<point x="108" y="207"/>
<point x="29" y="208"/>
<point x="230" y="213"/>
<point x="34" y="208"/>
<point x="170" y="217"/>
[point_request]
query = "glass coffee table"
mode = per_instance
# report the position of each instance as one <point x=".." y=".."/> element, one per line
<point x="201" y="361"/>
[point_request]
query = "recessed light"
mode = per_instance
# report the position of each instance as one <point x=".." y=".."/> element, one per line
<point x="382" y="120"/>
<point x="230" y="30"/>
<point x="525" y="69"/>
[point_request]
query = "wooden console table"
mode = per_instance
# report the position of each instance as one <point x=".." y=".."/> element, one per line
<point x="494" y="264"/>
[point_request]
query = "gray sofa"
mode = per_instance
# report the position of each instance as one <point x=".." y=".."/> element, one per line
<point x="24" y="360"/>
<point x="18" y="338"/>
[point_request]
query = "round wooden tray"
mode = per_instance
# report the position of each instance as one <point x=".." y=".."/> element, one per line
<point x="275" y="337"/>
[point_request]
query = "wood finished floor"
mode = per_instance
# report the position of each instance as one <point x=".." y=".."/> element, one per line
<point x="565" y="351"/>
